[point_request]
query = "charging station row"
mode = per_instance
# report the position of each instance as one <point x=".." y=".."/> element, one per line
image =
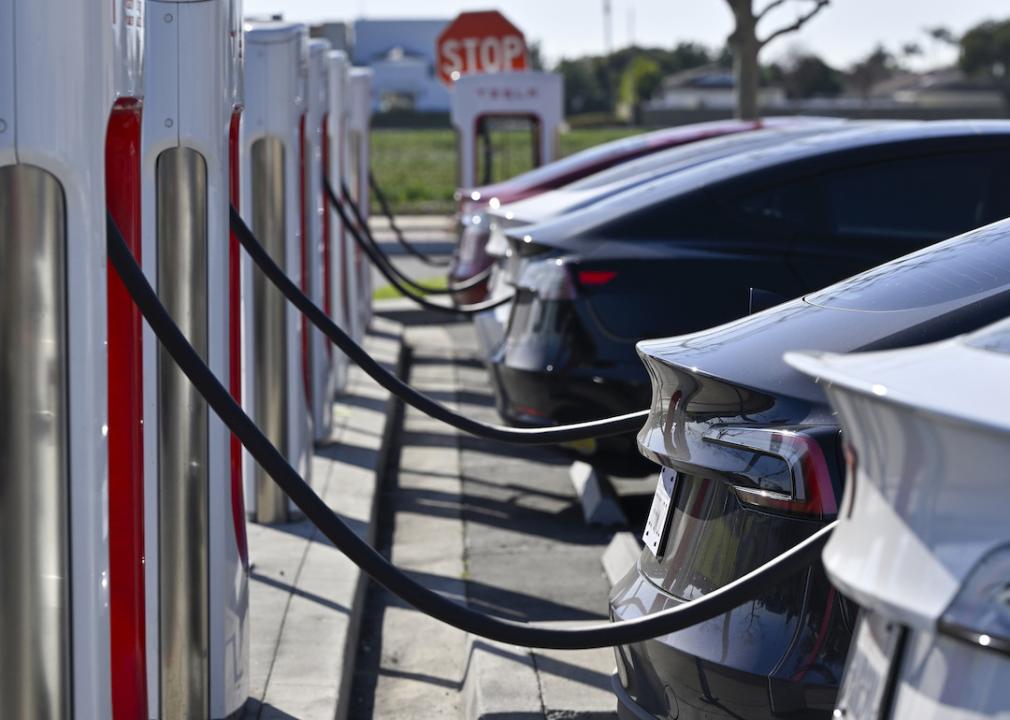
<point x="125" y="588"/>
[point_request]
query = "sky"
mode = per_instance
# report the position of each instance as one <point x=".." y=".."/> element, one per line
<point x="842" y="33"/>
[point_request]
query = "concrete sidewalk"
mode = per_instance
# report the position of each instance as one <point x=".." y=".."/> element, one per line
<point x="496" y="527"/>
<point x="305" y="597"/>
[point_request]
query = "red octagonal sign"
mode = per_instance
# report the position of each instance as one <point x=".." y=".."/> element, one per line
<point x="480" y="42"/>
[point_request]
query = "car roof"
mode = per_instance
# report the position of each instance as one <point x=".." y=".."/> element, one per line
<point x="614" y="149"/>
<point x="632" y="173"/>
<point x="643" y="196"/>
<point x="639" y="169"/>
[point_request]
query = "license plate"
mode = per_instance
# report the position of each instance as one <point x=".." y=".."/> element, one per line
<point x="872" y="660"/>
<point x="659" y="514"/>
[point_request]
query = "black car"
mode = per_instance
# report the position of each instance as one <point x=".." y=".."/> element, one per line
<point x="752" y="464"/>
<point x="711" y="243"/>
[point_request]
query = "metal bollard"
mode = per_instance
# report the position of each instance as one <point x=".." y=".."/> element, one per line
<point x="317" y="242"/>
<point x="57" y="89"/>
<point x="360" y="144"/>
<point x="274" y="386"/>
<point x="196" y="602"/>
<point x="342" y="248"/>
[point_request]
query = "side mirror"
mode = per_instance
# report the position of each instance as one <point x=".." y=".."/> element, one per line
<point x="763" y="299"/>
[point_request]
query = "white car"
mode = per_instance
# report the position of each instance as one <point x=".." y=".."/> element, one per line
<point x="923" y="541"/>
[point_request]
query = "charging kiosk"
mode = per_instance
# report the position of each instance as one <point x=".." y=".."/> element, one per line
<point x="274" y="380"/>
<point x="57" y="60"/>
<point x="359" y="163"/>
<point x="476" y="100"/>
<point x="317" y="242"/>
<point x="341" y="247"/>
<point x="197" y="640"/>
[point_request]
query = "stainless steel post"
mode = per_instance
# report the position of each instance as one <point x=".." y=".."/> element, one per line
<point x="34" y="481"/>
<point x="183" y="445"/>
<point x="270" y="323"/>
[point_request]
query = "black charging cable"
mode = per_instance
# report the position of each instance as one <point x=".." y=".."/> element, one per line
<point x="397" y="233"/>
<point x="357" y="225"/>
<point x="715" y="603"/>
<point x="522" y="436"/>
<point x="390" y="273"/>
<point x="365" y="236"/>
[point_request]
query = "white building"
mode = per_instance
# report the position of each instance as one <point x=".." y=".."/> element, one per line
<point x="402" y="55"/>
<point x="707" y="88"/>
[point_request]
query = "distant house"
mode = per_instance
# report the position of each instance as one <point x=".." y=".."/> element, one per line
<point x="402" y="55"/>
<point x="707" y="88"/>
<point x="339" y="35"/>
<point x="944" y="88"/>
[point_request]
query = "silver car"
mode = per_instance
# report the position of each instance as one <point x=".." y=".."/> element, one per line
<point x="923" y="542"/>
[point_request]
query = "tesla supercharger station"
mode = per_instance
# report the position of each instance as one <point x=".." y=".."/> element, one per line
<point x="534" y="96"/>
<point x="274" y="381"/>
<point x="56" y="94"/>
<point x="197" y="640"/>
<point x="358" y="164"/>
<point x="317" y="243"/>
<point x="341" y="258"/>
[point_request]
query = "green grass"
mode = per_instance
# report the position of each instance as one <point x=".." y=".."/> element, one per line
<point x="417" y="168"/>
<point x="388" y="292"/>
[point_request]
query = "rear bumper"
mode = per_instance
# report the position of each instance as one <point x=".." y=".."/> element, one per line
<point x="473" y="248"/>
<point x="490" y="328"/>
<point x="470" y="296"/>
<point x="545" y="398"/>
<point x="627" y="708"/>
<point x="553" y="397"/>
<point x="703" y="673"/>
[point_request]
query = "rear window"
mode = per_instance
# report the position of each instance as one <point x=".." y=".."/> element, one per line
<point x="963" y="269"/>
<point x="922" y="199"/>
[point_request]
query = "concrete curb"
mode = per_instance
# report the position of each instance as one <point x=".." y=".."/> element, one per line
<point x="620" y="556"/>
<point x="596" y="495"/>
<point x="391" y="428"/>
<point x="500" y="681"/>
<point x="306" y="598"/>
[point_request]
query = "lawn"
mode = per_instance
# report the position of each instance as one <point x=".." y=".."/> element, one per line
<point x="417" y="168"/>
<point x="388" y="292"/>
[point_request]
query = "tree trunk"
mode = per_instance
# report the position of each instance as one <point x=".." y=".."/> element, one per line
<point x="746" y="70"/>
<point x="746" y="75"/>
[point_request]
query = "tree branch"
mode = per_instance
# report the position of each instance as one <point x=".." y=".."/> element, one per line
<point x="800" y="21"/>
<point x="769" y="7"/>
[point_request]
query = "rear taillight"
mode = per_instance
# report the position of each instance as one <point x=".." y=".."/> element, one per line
<point x="851" y="465"/>
<point x="980" y="613"/>
<point x="595" y="278"/>
<point x="548" y="280"/>
<point x="781" y="470"/>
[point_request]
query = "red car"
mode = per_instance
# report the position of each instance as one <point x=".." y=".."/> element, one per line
<point x="471" y="258"/>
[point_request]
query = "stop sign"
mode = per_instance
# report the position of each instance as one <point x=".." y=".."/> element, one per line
<point x="479" y="42"/>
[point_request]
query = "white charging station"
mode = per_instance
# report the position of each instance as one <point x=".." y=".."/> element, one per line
<point x="534" y="96"/>
<point x="57" y="75"/>
<point x="317" y="243"/>
<point x="359" y="162"/>
<point x="197" y="640"/>
<point x="341" y="256"/>
<point x="274" y="380"/>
